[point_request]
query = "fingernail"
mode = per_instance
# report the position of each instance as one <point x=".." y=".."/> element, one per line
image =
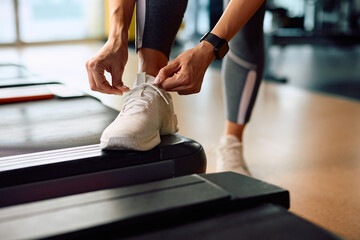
<point x="122" y="87"/>
<point x="157" y="80"/>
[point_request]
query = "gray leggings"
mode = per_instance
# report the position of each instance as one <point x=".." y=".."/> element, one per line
<point x="157" y="23"/>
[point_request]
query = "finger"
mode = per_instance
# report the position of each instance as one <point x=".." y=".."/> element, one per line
<point x="93" y="84"/>
<point x="179" y="81"/>
<point x="186" y="92"/>
<point x="170" y="83"/>
<point x="186" y="89"/>
<point x="166" y="72"/>
<point x="91" y="80"/>
<point x="181" y="89"/>
<point x="117" y="82"/>
<point x="102" y="85"/>
<point x="97" y="79"/>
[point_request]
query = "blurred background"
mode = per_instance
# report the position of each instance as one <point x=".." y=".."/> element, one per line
<point x="304" y="134"/>
<point x="312" y="44"/>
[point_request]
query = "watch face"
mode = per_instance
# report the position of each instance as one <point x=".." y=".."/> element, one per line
<point x="221" y="50"/>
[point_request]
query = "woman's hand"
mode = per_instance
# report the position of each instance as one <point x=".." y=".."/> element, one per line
<point x="112" y="57"/>
<point x="185" y="73"/>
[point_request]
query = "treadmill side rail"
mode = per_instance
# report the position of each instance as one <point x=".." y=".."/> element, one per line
<point x="187" y="155"/>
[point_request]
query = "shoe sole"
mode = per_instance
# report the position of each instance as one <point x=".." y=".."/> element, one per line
<point x="131" y="143"/>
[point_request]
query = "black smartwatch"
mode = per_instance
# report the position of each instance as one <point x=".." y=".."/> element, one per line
<point x="221" y="45"/>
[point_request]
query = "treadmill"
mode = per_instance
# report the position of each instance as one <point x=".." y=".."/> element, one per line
<point x="200" y="206"/>
<point x="49" y="174"/>
<point x="49" y="148"/>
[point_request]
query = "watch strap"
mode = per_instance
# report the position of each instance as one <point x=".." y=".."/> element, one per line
<point x="217" y="43"/>
<point x="211" y="38"/>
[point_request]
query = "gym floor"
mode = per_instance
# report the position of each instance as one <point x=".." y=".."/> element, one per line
<point x="299" y="138"/>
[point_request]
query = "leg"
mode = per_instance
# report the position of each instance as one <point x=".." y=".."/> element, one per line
<point x="242" y="73"/>
<point x="234" y="129"/>
<point x="148" y="111"/>
<point x="151" y="61"/>
<point x="157" y="23"/>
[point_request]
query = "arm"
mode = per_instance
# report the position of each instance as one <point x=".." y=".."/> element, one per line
<point x="185" y="73"/>
<point x="235" y="16"/>
<point x="112" y="57"/>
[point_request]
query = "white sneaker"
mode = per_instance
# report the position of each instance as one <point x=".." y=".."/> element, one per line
<point x="147" y="113"/>
<point x="229" y="156"/>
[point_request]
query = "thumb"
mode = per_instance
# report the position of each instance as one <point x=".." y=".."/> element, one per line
<point x="166" y="72"/>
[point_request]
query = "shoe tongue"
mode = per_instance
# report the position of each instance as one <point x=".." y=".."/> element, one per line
<point x="143" y="78"/>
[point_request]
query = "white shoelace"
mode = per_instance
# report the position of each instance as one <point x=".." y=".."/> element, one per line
<point x="140" y="101"/>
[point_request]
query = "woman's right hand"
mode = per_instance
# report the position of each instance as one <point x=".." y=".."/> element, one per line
<point x="112" y="57"/>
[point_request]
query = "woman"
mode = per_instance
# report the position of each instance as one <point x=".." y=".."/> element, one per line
<point x="148" y="111"/>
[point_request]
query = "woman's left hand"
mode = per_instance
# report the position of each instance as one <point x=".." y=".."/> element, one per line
<point x="186" y="72"/>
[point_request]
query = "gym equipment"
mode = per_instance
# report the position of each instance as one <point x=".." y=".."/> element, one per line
<point x="60" y="138"/>
<point x="50" y="174"/>
<point x="37" y="92"/>
<point x="30" y="127"/>
<point x="266" y="221"/>
<point x="15" y="75"/>
<point x="205" y="206"/>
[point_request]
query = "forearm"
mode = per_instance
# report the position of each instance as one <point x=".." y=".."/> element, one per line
<point x="121" y="12"/>
<point x="235" y="16"/>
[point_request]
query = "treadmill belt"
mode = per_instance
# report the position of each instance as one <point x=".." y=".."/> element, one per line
<point x="52" y="124"/>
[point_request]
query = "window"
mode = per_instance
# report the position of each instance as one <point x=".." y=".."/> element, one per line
<point x="52" y="20"/>
<point x="7" y="18"/>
